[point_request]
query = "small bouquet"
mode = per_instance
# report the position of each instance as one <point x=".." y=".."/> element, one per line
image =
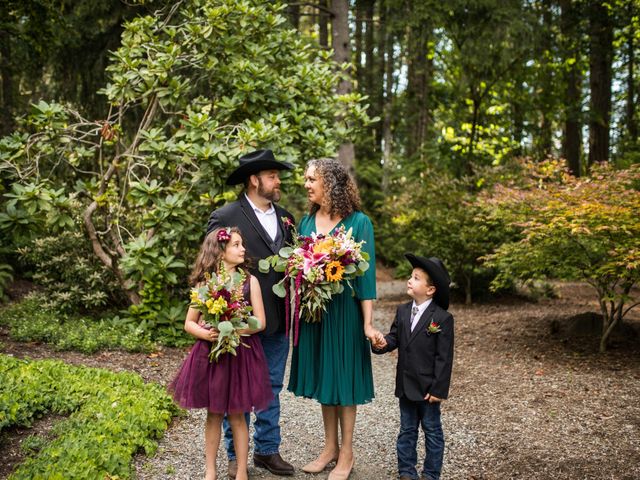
<point x="315" y="268"/>
<point x="223" y="307"/>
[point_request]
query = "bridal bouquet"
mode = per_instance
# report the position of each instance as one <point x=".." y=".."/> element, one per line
<point x="223" y="307"/>
<point x="315" y="268"/>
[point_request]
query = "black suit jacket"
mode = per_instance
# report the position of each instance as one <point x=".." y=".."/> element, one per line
<point x="259" y="245"/>
<point x="424" y="359"/>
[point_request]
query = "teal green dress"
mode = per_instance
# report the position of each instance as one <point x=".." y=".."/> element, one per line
<point x="332" y="361"/>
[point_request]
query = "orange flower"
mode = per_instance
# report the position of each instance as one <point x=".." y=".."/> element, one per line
<point x="334" y="271"/>
<point x="323" y="246"/>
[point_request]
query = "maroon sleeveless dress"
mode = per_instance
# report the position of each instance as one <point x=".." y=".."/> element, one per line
<point x="233" y="384"/>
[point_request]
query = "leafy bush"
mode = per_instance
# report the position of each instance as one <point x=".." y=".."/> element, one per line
<point x="574" y="228"/>
<point x="29" y="321"/>
<point x="190" y="89"/>
<point x="73" y="278"/>
<point x="440" y="216"/>
<point x="111" y="417"/>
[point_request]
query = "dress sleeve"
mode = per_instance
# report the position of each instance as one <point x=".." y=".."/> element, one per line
<point x="365" y="286"/>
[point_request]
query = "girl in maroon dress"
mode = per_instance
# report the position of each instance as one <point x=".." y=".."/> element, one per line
<point x="235" y="384"/>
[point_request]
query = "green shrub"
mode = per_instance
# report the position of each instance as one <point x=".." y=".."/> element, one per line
<point x="111" y="417"/>
<point x="73" y="278"/>
<point x="440" y="216"/>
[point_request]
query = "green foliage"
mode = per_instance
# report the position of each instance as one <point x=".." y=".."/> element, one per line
<point x="73" y="279"/>
<point x="31" y="321"/>
<point x="571" y="228"/>
<point x="189" y="92"/>
<point x="111" y="417"/>
<point x="440" y="216"/>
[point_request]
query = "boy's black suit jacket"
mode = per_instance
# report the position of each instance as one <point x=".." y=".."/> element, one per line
<point x="424" y="359"/>
<point x="259" y="245"/>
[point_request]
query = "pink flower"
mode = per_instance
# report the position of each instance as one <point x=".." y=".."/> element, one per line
<point x="312" y="259"/>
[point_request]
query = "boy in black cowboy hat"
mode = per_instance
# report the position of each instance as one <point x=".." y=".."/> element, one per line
<point x="422" y="331"/>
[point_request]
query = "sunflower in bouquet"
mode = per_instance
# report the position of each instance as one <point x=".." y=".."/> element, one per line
<point x="223" y="306"/>
<point x="315" y="268"/>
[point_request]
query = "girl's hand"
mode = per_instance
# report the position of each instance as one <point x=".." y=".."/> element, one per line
<point x="210" y="335"/>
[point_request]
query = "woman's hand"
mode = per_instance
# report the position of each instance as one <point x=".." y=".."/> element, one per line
<point x="374" y="336"/>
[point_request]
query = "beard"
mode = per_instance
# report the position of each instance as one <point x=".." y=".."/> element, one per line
<point x="272" y="195"/>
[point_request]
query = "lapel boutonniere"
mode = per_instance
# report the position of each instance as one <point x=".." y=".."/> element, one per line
<point x="433" y="327"/>
<point x="286" y="221"/>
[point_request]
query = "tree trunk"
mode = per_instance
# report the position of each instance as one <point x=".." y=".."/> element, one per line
<point x="475" y="117"/>
<point x="632" y="128"/>
<point x="342" y="54"/>
<point x="420" y="70"/>
<point x="600" y="58"/>
<point x="6" y="77"/>
<point x="387" y="112"/>
<point x="378" y="95"/>
<point x="546" y="83"/>
<point x="572" y="132"/>
<point x="467" y="291"/>
<point x="323" y="24"/>
<point x="293" y="12"/>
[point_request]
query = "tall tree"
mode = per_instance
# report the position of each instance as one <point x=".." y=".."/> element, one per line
<point x="341" y="43"/>
<point x="631" y="33"/>
<point x="600" y="77"/>
<point x="419" y="76"/>
<point x="570" y="27"/>
<point x="545" y="81"/>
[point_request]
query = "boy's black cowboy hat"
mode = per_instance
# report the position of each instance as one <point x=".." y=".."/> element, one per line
<point x="438" y="273"/>
<point x="255" y="162"/>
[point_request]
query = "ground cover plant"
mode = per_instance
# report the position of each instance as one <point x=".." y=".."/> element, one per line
<point x="111" y="416"/>
<point x="30" y="321"/>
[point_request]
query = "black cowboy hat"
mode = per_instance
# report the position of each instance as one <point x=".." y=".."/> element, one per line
<point x="438" y="273"/>
<point x="255" y="162"/>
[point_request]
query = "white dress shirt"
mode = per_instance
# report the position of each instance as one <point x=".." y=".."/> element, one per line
<point x="268" y="219"/>
<point x="421" y="308"/>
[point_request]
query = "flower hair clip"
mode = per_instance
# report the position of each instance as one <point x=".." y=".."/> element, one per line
<point x="224" y="235"/>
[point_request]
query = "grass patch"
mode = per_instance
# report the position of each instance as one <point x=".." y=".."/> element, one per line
<point x="111" y="417"/>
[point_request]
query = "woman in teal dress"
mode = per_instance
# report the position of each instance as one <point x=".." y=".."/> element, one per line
<point x="332" y="361"/>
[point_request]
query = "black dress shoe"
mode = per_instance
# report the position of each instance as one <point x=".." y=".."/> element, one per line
<point x="274" y="463"/>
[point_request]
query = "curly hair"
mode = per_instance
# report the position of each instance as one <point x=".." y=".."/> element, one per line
<point x="340" y="190"/>
<point x="210" y="256"/>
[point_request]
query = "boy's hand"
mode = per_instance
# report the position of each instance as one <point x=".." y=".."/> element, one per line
<point x="432" y="398"/>
<point x="380" y="342"/>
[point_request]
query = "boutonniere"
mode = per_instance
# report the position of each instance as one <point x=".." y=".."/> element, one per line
<point x="286" y="221"/>
<point x="433" y="327"/>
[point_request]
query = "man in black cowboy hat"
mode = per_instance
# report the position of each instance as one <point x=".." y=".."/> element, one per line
<point x="260" y="220"/>
<point x="423" y="334"/>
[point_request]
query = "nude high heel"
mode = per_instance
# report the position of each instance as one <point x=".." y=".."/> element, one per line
<point x="342" y="475"/>
<point x="317" y="466"/>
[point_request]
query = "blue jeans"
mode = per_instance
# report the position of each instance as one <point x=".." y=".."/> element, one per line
<point x="412" y="415"/>
<point x="266" y="439"/>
